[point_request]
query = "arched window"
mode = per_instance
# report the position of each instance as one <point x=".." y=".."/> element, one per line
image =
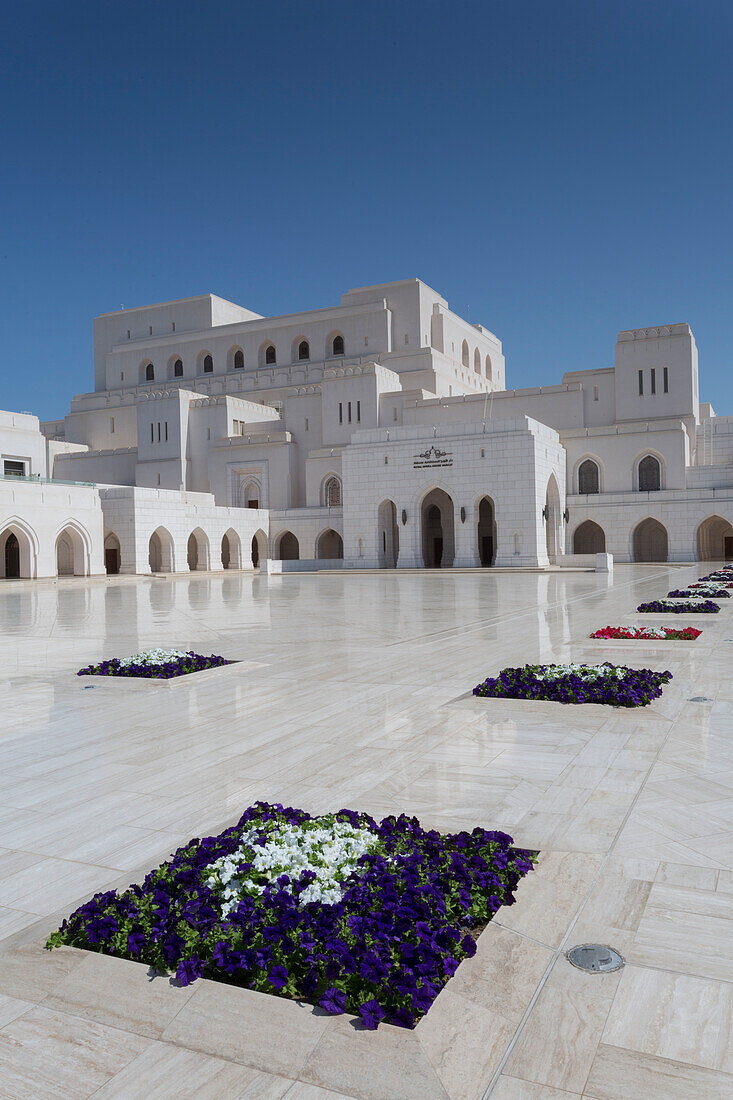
<point x="588" y="478"/>
<point x="304" y="351"/>
<point x="332" y="493"/>
<point x="150" y="373"/>
<point x="178" y="369"/>
<point x="338" y="345"/>
<point x="650" y="475"/>
<point x="477" y="361"/>
<point x="464" y="353"/>
<point x="488" y="366"/>
<point x="270" y="356"/>
<point x="208" y="364"/>
<point x="238" y="359"/>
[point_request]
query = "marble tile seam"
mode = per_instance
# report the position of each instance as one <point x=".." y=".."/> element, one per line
<point x="573" y="922"/>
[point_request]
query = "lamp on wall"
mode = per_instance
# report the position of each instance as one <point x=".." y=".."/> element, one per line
<point x="404" y="517"/>
<point x="566" y="516"/>
<point x="544" y="513"/>
<point x="463" y="515"/>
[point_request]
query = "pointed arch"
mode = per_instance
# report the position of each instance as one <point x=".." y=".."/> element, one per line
<point x="18" y="550"/>
<point x="112" y="553"/>
<point x="650" y="540"/>
<point x="250" y="493"/>
<point x="301" y="349"/>
<point x="589" y="476"/>
<point x="477" y="361"/>
<point x="259" y="548"/>
<point x="486" y="530"/>
<point x="332" y="491"/>
<point x="388" y="534"/>
<point x="464" y="353"/>
<point x="437" y="522"/>
<point x="197" y="550"/>
<point x="589" y="538"/>
<point x="73" y="550"/>
<point x="329" y="544"/>
<point x="488" y="367"/>
<point x="235" y="358"/>
<point x="287" y="547"/>
<point x="231" y="550"/>
<point x="714" y="539"/>
<point x="205" y="362"/>
<point x="147" y="371"/>
<point x="161" y="551"/>
<point x="335" y="345"/>
<point x="553" y="519"/>
<point x="267" y="355"/>
<point x="649" y="473"/>
<point x="175" y="366"/>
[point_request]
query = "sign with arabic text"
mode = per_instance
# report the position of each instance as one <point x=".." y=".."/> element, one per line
<point x="431" y="458"/>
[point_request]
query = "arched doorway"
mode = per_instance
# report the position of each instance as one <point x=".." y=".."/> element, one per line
<point x="486" y="532"/>
<point x="70" y="555"/>
<point x="552" y="520"/>
<point x="329" y="545"/>
<point x="589" y="538"/>
<point x="160" y="551"/>
<point x="438" y="538"/>
<point x="231" y="550"/>
<point x="197" y="550"/>
<point x="12" y="556"/>
<point x="111" y="553"/>
<point x="288" y="548"/>
<point x="715" y="540"/>
<point x="259" y="548"/>
<point x="650" y="541"/>
<point x="388" y="534"/>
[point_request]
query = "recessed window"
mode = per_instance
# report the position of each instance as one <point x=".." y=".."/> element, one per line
<point x="270" y="355"/>
<point x="358" y="412"/>
<point x="338" y="345"/>
<point x="150" y="373"/>
<point x="150" y="330"/>
<point x="152" y="433"/>
<point x="483" y="452"/>
<point x="238" y="359"/>
<point x="366" y="341"/>
<point x="666" y="380"/>
<point x="654" y="381"/>
<point x="588" y="477"/>
<point x="208" y="364"/>
<point x="306" y="423"/>
<point x="112" y="425"/>
<point x="13" y="468"/>
<point x="650" y="475"/>
<point x="128" y="334"/>
<point x="333" y="493"/>
<point x="304" y="351"/>
<point x="386" y="461"/>
<point x="349" y="412"/>
<point x="122" y="376"/>
<point x="394" y="413"/>
<point x="178" y="368"/>
<point x="407" y="339"/>
<point x="173" y="326"/>
<point x="341" y="412"/>
<point x="166" y="431"/>
<point x="595" y="393"/>
<point x="641" y="383"/>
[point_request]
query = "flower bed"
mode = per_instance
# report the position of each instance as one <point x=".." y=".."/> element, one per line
<point x="666" y="607"/>
<point x="156" y="664"/>
<point x="340" y="911"/>
<point x="615" y="685"/>
<point x="699" y="593"/>
<point x="648" y="633"/>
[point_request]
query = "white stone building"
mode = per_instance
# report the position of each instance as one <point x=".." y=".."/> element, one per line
<point x="375" y="433"/>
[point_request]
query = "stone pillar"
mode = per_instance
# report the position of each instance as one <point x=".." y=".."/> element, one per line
<point x="466" y="540"/>
<point x="410" y="556"/>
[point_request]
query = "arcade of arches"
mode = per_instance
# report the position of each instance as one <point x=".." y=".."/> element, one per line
<point x="715" y="540"/>
<point x="437" y="526"/>
<point x="589" y="538"/>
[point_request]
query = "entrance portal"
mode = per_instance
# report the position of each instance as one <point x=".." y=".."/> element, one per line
<point x="12" y="556"/>
<point x="486" y="532"/>
<point x="438" y="539"/>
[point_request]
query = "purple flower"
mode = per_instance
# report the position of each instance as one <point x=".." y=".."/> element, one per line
<point x="371" y="1013"/>
<point x="468" y="944"/>
<point x="189" y="970"/>
<point x="333" y="1001"/>
<point x="278" y="976"/>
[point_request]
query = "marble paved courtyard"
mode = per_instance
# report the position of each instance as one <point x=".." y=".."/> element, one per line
<point x="354" y="690"/>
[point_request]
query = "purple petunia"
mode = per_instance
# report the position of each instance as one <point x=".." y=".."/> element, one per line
<point x="278" y="977"/>
<point x="371" y="1013"/>
<point x="333" y="1001"/>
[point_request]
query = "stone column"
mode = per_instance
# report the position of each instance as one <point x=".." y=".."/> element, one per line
<point x="466" y="540"/>
<point x="410" y="556"/>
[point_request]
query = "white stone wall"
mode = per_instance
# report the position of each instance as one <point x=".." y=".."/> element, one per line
<point x="38" y="513"/>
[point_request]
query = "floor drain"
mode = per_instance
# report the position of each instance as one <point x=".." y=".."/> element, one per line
<point x="90" y="687"/>
<point x="699" y="699"/>
<point x="595" y="957"/>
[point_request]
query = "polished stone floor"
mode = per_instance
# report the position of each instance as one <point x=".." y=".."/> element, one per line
<point x="355" y="690"/>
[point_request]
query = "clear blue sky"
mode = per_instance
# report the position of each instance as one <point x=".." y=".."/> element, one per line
<point x="558" y="171"/>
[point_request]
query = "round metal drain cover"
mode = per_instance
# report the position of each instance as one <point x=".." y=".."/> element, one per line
<point x="595" y="957"/>
<point x="700" y="699"/>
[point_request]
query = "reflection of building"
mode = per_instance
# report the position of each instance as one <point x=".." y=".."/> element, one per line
<point x="377" y="432"/>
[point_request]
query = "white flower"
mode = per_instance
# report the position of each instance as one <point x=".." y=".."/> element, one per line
<point x="330" y="849"/>
<point x="584" y="672"/>
<point x="153" y="657"/>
